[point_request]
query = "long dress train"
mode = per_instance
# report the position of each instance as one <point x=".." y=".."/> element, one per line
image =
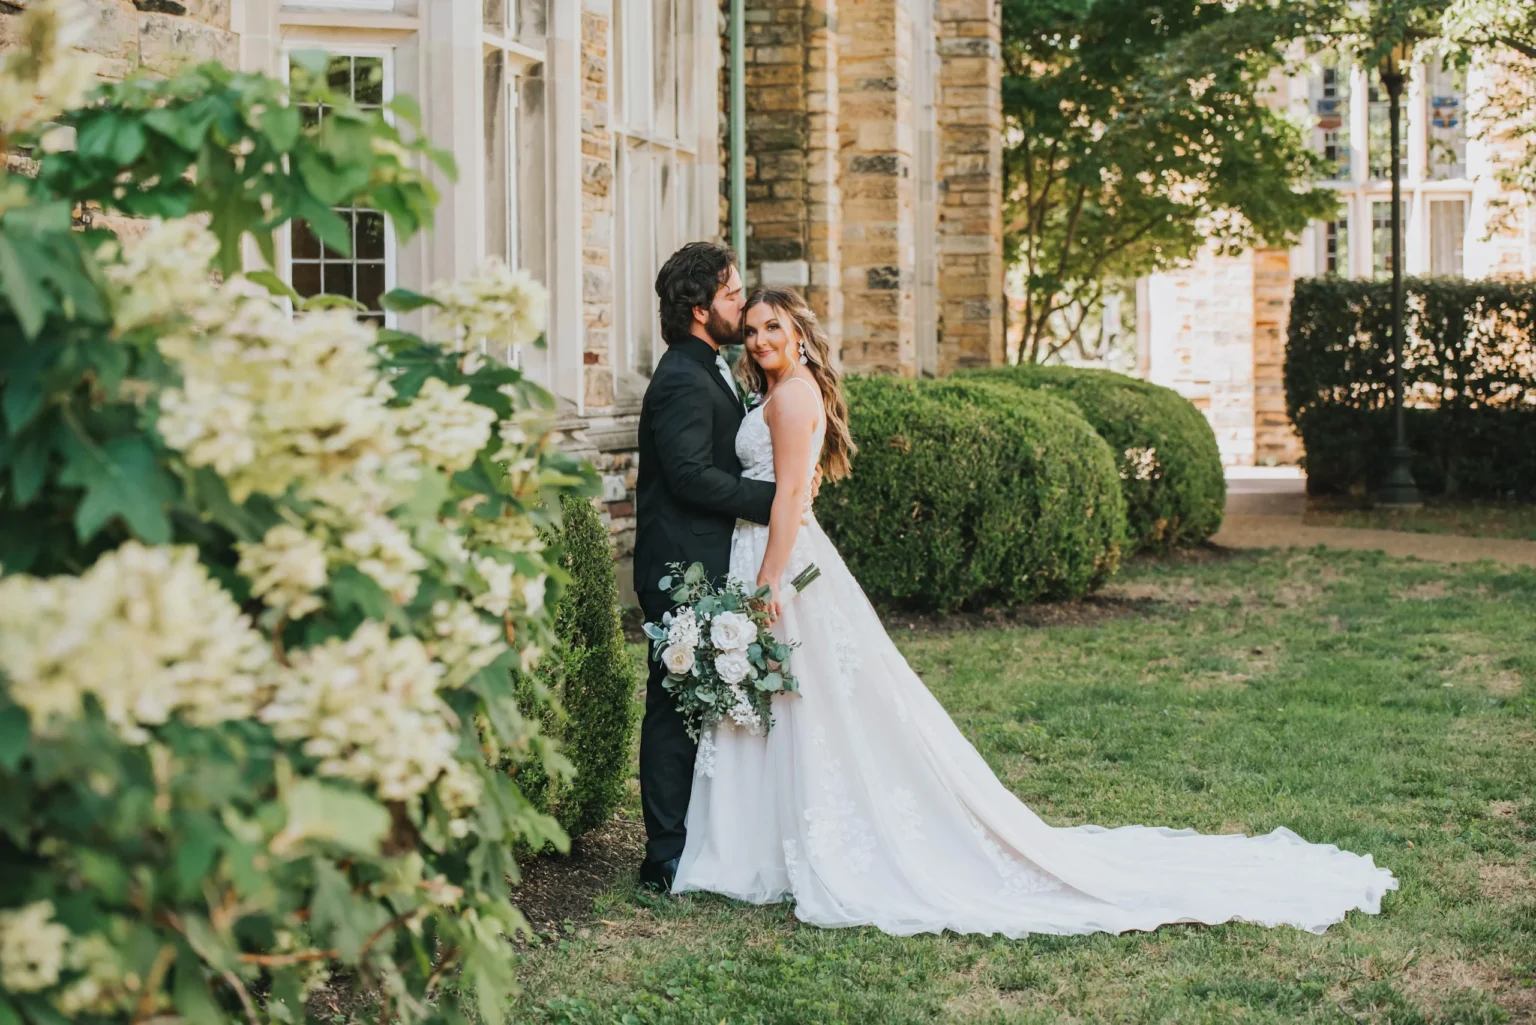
<point x="867" y="806"/>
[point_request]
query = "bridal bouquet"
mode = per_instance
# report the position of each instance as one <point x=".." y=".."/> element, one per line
<point x="721" y="661"/>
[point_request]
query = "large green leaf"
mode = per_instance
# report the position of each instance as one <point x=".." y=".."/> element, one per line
<point x="25" y="291"/>
<point x="329" y="814"/>
<point x="122" y="479"/>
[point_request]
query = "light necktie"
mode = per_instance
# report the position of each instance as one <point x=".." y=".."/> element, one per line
<point x="725" y="373"/>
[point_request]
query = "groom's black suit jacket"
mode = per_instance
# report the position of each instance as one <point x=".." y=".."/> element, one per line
<point x="690" y="491"/>
<point x="688" y="499"/>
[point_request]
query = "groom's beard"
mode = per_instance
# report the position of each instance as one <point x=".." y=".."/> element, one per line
<point x="721" y="331"/>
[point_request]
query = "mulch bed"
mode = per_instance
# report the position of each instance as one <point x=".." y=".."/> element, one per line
<point x="559" y="888"/>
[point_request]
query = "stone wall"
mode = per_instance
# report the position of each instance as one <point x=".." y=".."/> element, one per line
<point x="155" y="34"/>
<point x="878" y="148"/>
<point x="970" y="124"/>
<point x="1275" y="441"/>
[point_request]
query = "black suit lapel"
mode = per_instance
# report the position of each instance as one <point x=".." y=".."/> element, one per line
<point x="703" y="353"/>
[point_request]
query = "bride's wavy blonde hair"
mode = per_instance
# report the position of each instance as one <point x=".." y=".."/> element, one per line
<point x="838" y="448"/>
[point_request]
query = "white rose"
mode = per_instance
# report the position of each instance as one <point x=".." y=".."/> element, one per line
<point x="733" y="667"/>
<point x="732" y="631"/>
<point x="678" y="660"/>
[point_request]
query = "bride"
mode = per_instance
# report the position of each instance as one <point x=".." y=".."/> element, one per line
<point x="866" y="805"/>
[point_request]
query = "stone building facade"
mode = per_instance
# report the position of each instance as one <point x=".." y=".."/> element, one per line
<point x="592" y="139"/>
<point x="1215" y="331"/>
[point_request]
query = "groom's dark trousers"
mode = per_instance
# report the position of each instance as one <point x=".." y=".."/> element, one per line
<point x="688" y="499"/>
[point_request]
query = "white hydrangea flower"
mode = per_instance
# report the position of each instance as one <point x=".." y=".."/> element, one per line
<point x="145" y="630"/>
<point x="368" y="708"/>
<point x="463" y="640"/>
<point x="164" y="273"/>
<point x="43" y="73"/>
<point x="445" y="427"/>
<point x="31" y="948"/>
<point x="102" y="987"/>
<point x="495" y="305"/>
<point x="384" y="551"/>
<point x="500" y="585"/>
<point x="683" y="628"/>
<point x="285" y="569"/>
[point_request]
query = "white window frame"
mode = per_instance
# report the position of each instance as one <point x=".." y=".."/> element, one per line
<point x="340" y="5"/>
<point x="635" y="130"/>
<point x="284" y="235"/>
<point x="518" y="59"/>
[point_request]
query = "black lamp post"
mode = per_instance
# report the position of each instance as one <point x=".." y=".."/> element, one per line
<point x="1397" y="487"/>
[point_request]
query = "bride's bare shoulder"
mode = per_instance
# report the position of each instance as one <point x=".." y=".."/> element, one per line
<point x="794" y="403"/>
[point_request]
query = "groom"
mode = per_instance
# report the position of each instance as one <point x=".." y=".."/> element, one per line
<point x="689" y="496"/>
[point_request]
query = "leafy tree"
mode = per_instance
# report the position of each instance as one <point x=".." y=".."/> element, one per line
<point x="1500" y="35"/>
<point x="1136" y="134"/>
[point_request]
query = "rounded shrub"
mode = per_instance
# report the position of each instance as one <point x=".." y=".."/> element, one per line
<point x="1168" y="462"/>
<point x="963" y="496"/>
<point x="593" y="678"/>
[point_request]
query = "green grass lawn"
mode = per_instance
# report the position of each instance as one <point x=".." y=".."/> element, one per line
<point x="1468" y="519"/>
<point x="1385" y="706"/>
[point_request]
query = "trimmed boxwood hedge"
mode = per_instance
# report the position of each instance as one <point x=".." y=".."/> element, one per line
<point x="594" y="678"/>
<point x="1165" y="450"/>
<point x="1470" y="370"/>
<point x="965" y="495"/>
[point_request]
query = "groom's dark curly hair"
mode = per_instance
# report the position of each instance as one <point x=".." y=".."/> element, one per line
<point x="689" y="279"/>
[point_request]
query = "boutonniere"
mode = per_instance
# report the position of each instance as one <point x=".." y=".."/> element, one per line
<point x="748" y="398"/>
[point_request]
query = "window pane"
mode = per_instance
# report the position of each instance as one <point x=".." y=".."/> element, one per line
<point x="1336" y="247"/>
<point x="636" y="53"/>
<point x="1381" y="238"/>
<point x="639" y="212"/>
<point x="1330" y="105"/>
<point x="339" y="76"/>
<point x="1447" y="231"/>
<point x="1447" y="124"/>
<point x="532" y="197"/>
<point x="494" y="15"/>
<point x="368" y="242"/>
<point x="338" y="280"/>
<point x="532" y="21"/>
<point x="370" y="285"/>
<point x="306" y="278"/>
<point x="664" y="70"/>
<point x="305" y="245"/>
<point x="498" y="184"/>
<point x="368" y="81"/>
<point x="331" y="254"/>
<point x="685" y="80"/>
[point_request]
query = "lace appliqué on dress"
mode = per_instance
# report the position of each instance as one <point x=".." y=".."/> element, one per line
<point x="1020" y="877"/>
<point x="905" y="803"/>
<point x="835" y="833"/>
<point x="706" y="755"/>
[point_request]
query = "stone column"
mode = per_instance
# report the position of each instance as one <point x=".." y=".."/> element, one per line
<point x="970" y="125"/>
<point x="878" y="186"/>
<point x="1275" y="441"/>
<point x="793" y="207"/>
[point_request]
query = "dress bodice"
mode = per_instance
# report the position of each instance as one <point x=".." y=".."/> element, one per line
<point x="754" y="443"/>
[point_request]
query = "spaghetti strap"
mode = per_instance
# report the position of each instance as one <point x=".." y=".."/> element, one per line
<point x="821" y="412"/>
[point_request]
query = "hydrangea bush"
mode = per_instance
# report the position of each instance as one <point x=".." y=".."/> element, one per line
<point x="268" y="570"/>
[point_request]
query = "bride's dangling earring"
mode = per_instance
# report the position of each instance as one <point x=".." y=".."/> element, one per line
<point x="803" y="360"/>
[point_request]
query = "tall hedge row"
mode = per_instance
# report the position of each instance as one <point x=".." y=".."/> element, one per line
<point x="594" y="678"/>
<point x="1168" y="462"/>
<point x="1469" y="365"/>
<point x="965" y="494"/>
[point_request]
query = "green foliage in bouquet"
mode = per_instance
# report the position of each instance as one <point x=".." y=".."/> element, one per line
<point x="966" y="494"/>
<point x="266" y="577"/>
<point x="1170" y="468"/>
<point x="722" y="663"/>
<point x="593" y="678"/>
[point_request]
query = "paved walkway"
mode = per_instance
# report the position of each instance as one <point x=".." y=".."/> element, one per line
<point x="1265" y="507"/>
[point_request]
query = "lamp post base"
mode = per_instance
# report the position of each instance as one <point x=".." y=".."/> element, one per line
<point x="1398" y="490"/>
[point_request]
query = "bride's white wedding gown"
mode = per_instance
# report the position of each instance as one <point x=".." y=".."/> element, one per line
<point x="867" y="806"/>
